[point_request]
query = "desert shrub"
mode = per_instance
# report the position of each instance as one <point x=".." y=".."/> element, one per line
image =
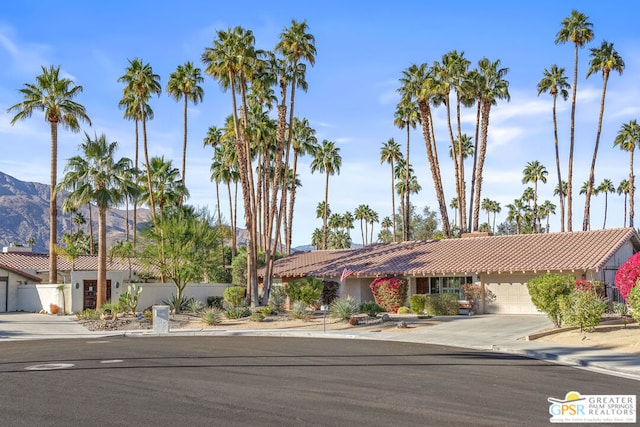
<point x="371" y="308"/>
<point x="129" y="300"/>
<point x="212" y="316"/>
<point x="257" y="317"/>
<point x="627" y="275"/>
<point x="195" y="306"/>
<point x="299" y="311"/>
<point x="234" y="295"/>
<point x="619" y="308"/>
<point x="634" y="302"/>
<point x="404" y="310"/>
<point x="237" y="312"/>
<point x="343" y="308"/>
<point x="389" y="292"/>
<point x="307" y="290"/>
<point x="441" y="304"/>
<point x="265" y="311"/>
<point x="177" y="305"/>
<point x="417" y="303"/>
<point x="277" y="298"/>
<point x="217" y="302"/>
<point x="88" y="314"/>
<point x="583" y="309"/>
<point x="329" y="292"/>
<point x="546" y="292"/>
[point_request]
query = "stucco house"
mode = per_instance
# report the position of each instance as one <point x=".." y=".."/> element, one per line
<point x="500" y="264"/>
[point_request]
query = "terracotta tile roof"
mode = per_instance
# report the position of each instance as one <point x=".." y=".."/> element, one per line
<point x="28" y="261"/>
<point x="589" y="250"/>
<point x="20" y="273"/>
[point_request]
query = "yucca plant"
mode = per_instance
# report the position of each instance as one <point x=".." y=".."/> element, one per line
<point x="344" y="308"/>
<point x="300" y="311"/>
<point x="212" y="316"/>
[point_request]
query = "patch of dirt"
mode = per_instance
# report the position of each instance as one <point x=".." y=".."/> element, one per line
<point x="615" y="337"/>
<point x="317" y="322"/>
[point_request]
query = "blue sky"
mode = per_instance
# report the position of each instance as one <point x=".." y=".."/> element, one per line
<point x="361" y="52"/>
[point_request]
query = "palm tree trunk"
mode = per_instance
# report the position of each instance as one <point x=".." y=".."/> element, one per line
<point x="53" y="206"/>
<point x="146" y="158"/>
<point x="475" y="165"/>
<point x="462" y="200"/>
<point x="571" y="144"/>
<point x="631" y="191"/>
<point x="184" y="150"/>
<point x="91" y="240"/>
<point x="135" y="199"/>
<point x="555" y="135"/>
<point x="406" y="215"/>
<point x="486" y="109"/>
<point x="587" y="202"/>
<point x="393" y="201"/>
<point x="324" y="216"/>
<point x="101" y="296"/>
<point x="606" y="202"/>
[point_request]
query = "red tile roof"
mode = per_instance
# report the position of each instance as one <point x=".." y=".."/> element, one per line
<point x="588" y="250"/>
<point x="20" y="273"/>
<point x="27" y="261"/>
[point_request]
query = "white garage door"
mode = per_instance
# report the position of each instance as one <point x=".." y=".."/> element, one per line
<point x="510" y="298"/>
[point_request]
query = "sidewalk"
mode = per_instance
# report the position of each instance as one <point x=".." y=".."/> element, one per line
<point x="501" y="333"/>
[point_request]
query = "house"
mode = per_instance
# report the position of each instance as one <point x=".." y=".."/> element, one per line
<point x="502" y="265"/>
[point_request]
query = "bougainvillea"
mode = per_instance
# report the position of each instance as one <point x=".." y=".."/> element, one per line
<point x="389" y="292"/>
<point x="596" y="287"/>
<point x="627" y="275"/>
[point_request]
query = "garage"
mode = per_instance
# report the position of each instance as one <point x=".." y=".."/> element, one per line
<point x="511" y="297"/>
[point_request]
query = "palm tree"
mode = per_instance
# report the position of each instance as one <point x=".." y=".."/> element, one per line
<point x="493" y="87"/>
<point x="628" y="139"/>
<point x="534" y="172"/>
<point x="326" y="160"/>
<point x="495" y="209"/>
<point x="418" y="86"/>
<point x="583" y="190"/>
<point x="604" y="59"/>
<point x="454" y="205"/>
<point x="52" y="95"/>
<point x="316" y="238"/>
<point x="372" y="217"/>
<point x="606" y="187"/>
<point x="347" y="223"/>
<point x="555" y="82"/>
<point x="140" y="84"/>
<point x="406" y="116"/>
<point x="361" y="214"/>
<point x="185" y="83"/>
<point x="546" y="209"/>
<point x="576" y="29"/>
<point x="624" y="188"/>
<point x="390" y="153"/>
<point x="96" y="176"/>
<point x="486" y="206"/>
<point x="166" y="183"/>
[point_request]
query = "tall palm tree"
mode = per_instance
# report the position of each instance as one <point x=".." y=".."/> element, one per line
<point x="390" y="153"/>
<point x="166" y="185"/>
<point x="495" y="209"/>
<point x="583" y="190"/>
<point x="406" y="116"/>
<point x="454" y="205"/>
<point x="624" y="189"/>
<point x="493" y="87"/>
<point x="326" y="160"/>
<point x="465" y="144"/>
<point x="417" y="85"/>
<point x="534" y="172"/>
<point x="231" y="61"/>
<point x="185" y="83"/>
<point x="372" y="217"/>
<point x="485" y="205"/>
<point x="606" y="187"/>
<point x="141" y="84"/>
<point x="361" y="214"/>
<point x="53" y="95"/>
<point x="546" y="209"/>
<point x="555" y="82"/>
<point x="604" y="60"/>
<point x="98" y="177"/>
<point x="628" y="139"/>
<point x="576" y="29"/>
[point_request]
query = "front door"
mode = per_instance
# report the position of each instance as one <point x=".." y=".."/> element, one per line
<point x="91" y="293"/>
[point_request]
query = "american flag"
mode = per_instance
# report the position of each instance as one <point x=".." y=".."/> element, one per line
<point x="346" y="273"/>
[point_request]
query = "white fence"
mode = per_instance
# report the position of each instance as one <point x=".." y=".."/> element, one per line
<point x="34" y="298"/>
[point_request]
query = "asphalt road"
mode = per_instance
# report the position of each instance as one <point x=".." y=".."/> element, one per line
<point x="268" y="381"/>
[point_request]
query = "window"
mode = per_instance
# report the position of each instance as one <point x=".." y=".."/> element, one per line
<point x="448" y="285"/>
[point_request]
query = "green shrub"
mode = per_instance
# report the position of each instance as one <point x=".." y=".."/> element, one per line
<point x="417" y="303"/>
<point x="212" y="316"/>
<point x="129" y="300"/>
<point x="266" y="310"/>
<point x="404" y="310"/>
<point x="389" y="292"/>
<point x="237" y="312"/>
<point x="329" y="292"/>
<point x="582" y="308"/>
<point x="88" y="314"/>
<point x="277" y="298"/>
<point x="299" y="311"/>
<point x="546" y="292"/>
<point x="634" y="302"/>
<point x="257" y="317"/>
<point x="234" y="295"/>
<point x="371" y="308"/>
<point x="217" y="302"/>
<point x="442" y="304"/>
<point x="195" y="306"/>
<point x="343" y="308"/>
<point x="307" y="290"/>
<point x="620" y="308"/>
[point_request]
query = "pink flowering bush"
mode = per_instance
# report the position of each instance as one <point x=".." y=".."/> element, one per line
<point x="627" y="275"/>
<point x="389" y="292"/>
<point x="595" y="287"/>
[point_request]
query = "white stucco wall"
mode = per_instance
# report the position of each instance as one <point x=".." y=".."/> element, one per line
<point x="34" y="298"/>
<point x="9" y="296"/>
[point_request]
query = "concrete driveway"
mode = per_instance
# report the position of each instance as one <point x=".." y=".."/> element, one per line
<point x="23" y="326"/>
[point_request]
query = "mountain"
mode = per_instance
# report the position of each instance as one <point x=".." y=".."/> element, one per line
<point x="24" y="213"/>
